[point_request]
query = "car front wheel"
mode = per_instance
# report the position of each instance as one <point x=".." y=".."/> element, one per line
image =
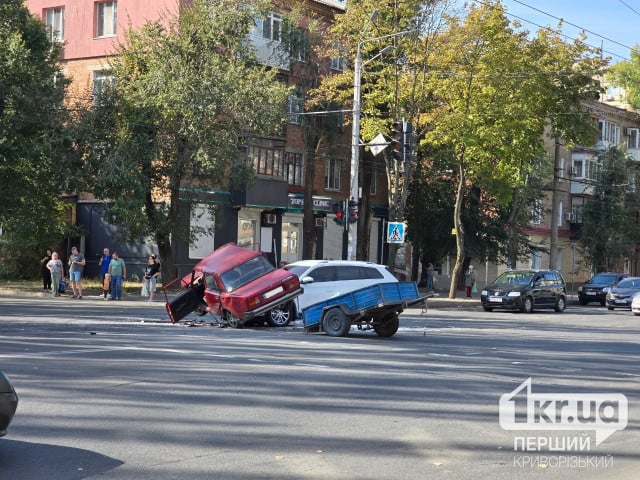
<point x="232" y="320"/>
<point x="280" y="316"/>
<point x="561" y="304"/>
<point x="527" y="305"/>
<point x="609" y="308"/>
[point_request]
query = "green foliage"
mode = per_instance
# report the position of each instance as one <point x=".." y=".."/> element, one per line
<point x="610" y="231"/>
<point x="33" y="137"/>
<point x="627" y="74"/>
<point x="187" y="91"/>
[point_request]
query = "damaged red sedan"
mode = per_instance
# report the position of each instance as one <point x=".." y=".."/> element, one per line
<point x="238" y="286"/>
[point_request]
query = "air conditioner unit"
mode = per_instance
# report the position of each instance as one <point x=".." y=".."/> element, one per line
<point x="270" y="219"/>
<point x="321" y="221"/>
<point x="570" y="216"/>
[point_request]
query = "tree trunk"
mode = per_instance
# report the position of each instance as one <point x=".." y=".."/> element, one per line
<point x="309" y="240"/>
<point x="457" y="221"/>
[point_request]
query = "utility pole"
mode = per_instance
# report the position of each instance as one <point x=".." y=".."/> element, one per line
<point x="553" y="244"/>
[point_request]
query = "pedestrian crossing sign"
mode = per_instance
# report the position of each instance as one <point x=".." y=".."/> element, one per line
<point x="395" y="232"/>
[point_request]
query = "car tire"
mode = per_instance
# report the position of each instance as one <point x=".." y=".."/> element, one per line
<point x="527" y="305"/>
<point x="335" y="323"/>
<point x="388" y="326"/>
<point x="603" y="303"/>
<point x="636" y="314"/>
<point x="232" y="320"/>
<point x="609" y="308"/>
<point x="561" y="304"/>
<point x="487" y="309"/>
<point x="281" y="316"/>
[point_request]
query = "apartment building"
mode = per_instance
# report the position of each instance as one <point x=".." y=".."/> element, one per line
<point x="267" y="215"/>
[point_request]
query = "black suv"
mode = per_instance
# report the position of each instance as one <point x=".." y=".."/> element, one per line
<point x="596" y="288"/>
<point x="525" y="290"/>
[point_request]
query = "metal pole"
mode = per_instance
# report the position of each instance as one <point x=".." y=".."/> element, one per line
<point x="355" y="147"/>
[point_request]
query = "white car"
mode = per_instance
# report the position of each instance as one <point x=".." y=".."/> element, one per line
<point x="324" y="279"/>
<point x="635" y="304"/>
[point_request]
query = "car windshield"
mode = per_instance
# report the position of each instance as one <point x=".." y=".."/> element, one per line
<point x="629" y="283"/>
<point x="604" y="279"/>
<point x="245" y="273"/>
<point x="297" y="269"/>
<point x="514" y="278"/>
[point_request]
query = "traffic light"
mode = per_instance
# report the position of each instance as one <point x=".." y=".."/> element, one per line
<point x="397" y="140"/>
<point x="408" y="141"/>
<point x="339" y="212"/>
<point x="353" y="211"/>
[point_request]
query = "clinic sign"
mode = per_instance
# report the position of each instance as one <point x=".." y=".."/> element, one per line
<point x="395" y="232"/>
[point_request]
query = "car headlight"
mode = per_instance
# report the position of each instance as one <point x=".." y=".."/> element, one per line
<point x="484" y="292"/>
<point x="606" y="289"/>
<point x="580" y="289"/>
<point x="513" y="294"/>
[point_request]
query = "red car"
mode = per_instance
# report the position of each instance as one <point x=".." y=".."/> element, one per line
<point x="237" y="285"/>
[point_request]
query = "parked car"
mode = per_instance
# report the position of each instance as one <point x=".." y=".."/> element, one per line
<point x="325" y="279"/>
<point x="635" y="304"/>
<point x="619" y="296"/>
<point x="8" y="403"/>
<point x="238" y="285"/>
<point x="526" y="290"/>
<point x="595" y="289"/>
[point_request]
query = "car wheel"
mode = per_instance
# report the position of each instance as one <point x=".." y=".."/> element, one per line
<point x="609" y="308"/>
<point x="487" y="309"/>
<point x="388" y="326"/>
<point x="527" y="305"/>
<point x="336" y="323"/>
<point x="281" y="316"/>
<point x="603" y="303"/>
<point x="232" y="320"/>
<point x="561" y="304"/>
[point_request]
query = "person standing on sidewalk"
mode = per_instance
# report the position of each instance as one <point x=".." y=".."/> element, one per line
<point x="104" y="262"/>
<point x="76" y="267"/>
<point x="118" y="273"/>
<point x="55" y="268"/>
<point x="469" y="280"/>
<point x="151" y="272"/>
<point x="46" y="274"/>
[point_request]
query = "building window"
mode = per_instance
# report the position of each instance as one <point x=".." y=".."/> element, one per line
<point x="272" y="27"/>
<point x="54" y="20"/>
<point x="106" y="18"/>
<point x="266" y="161"/>
<point x="536" y="259"/>
<point x="632" y="138"/>
<point x="609" y="132"/>
<point x="340" y="61"/>
<point x="332" y="174"/>
<point x="373" y="188"/>
<point x="293" y="168"/>
<point x="102" y="81"/>
<point x="536" y="212"/>
<point x="295" y="105"/>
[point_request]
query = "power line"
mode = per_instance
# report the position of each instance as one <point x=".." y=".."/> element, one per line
<point x="629" y="7"/>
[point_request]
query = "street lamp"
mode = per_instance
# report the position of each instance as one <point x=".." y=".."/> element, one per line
<point x="355" y="124"/>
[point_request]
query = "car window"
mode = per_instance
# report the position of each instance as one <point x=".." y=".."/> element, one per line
<point x="604" y="279"/>
<point x="628" y="283"/>
<point x="323" y="274"/>
<point x="348" y="272"/>
<point x="514" y="278"/>
<point x="550" y="278"/>
<point x="246" y="272"/>
<point x="370" y="273"/>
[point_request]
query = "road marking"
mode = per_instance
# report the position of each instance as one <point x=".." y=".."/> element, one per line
<point x="65" y="352"/>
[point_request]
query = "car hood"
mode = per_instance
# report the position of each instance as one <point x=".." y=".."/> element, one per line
<point x="5" y="384"/>
<point x="625" y="291"/>
<point x="271" y="280"/>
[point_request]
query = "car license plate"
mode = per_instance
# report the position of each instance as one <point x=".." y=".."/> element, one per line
<point x="495" y="299"/>
<point x="621" y="301"/>
<point x="273" y="293"/>
<point x="590" y="293"/>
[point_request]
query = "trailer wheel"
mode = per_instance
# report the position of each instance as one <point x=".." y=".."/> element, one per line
<point x="388" y="326"/>
<point x="281" y="316"/>
<point x="336" y="323"/>
<point x="232" y="320"/>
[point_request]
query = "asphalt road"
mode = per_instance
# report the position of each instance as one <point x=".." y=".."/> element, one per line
<point x="111" y="390"/>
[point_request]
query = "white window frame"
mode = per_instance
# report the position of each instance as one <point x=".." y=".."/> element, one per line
<point x="294" y="168"/>
<point x="271" y="27"/>
<point x="332" y="173"/>
<point x="100" y="79"/>
<point x="633" y="138"/>
<point x="295" y="105"/>
<point x="54" y="20"/>
<point x="106" y="19"/>
<point x="609" y="132"/>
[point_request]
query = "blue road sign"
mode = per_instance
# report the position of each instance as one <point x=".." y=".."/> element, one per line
<point x="395" y="232"/>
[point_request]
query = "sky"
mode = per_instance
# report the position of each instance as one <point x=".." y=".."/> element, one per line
<point x="614" y="24"/>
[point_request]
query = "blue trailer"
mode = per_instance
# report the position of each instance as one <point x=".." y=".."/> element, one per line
<point x="370" y="308"/>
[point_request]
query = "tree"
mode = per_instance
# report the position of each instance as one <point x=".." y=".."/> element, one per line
<point x="627" y="74"/>
<point x="610" y="230"/>
<point x="187" y="95"/>
<point x="33" y="138"/>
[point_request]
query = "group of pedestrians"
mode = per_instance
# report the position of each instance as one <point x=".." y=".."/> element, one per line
<point x="113" y="271"/>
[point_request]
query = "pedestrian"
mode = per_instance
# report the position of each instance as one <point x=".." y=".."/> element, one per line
<point x="469" y="280"/>
<point x="56" y="269"/>
<point x="151" y="272"/>
<point x="76" y="267"/>
<point x="118" y="273"/>
<point x="104" y="262"/>
<point x="430" y="275"/>
<point x="46" y="274"/>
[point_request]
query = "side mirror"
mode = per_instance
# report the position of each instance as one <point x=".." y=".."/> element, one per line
<point x="304" y="280"/>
